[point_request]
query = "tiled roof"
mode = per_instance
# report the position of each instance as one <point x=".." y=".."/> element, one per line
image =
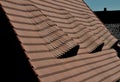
<point x="114" y="28"/>
<point x="49" y="29"/>
<point x="37" y="34"/>
<point x="76" y="13"/>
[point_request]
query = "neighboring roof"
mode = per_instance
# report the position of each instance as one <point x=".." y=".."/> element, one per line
<point x="47" y="30"/>
<point x="109" y="16"/>
<point x="114" y="28"/>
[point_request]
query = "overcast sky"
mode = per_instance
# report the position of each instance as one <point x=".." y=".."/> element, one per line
<point x="97" y="5"/>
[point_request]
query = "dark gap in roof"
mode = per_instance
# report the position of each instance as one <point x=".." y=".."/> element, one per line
<point x="72" y="52"/>
<point x="117" y="48"/>
<point x="118" y="80"/>
<point x="98" y="49"/>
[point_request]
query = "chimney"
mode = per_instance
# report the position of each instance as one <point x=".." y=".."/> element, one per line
<point x="105" y="9"/>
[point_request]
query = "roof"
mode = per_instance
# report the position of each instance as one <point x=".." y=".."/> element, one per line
<point x="114" y="28"/>
<point x="62" y="41"/>
<point x="109" y="16"/>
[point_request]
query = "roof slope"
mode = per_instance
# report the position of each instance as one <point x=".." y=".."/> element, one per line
<point x="70" y="13"/>
<point x="45" y="40"/>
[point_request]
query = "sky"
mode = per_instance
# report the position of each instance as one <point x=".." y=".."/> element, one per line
<point x="98" y="5"/>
